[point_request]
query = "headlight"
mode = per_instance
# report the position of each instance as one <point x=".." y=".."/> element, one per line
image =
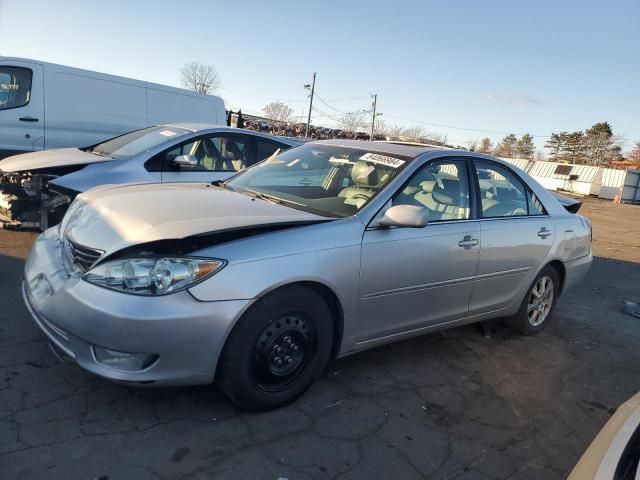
<point x="152" y="276"/>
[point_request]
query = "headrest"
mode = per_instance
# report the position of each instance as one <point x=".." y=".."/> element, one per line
<point x="210" y="149"/>
<point x="427" y="185"/>
<point x="233" y="150"/>
<point x="447" y="192"/>
<point x="364" y="174"/>
<point x="506" y="194"/>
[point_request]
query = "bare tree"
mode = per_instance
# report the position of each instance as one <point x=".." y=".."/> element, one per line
<point x="200" y="78"/>
<point x="472" y="145"/>
<point x="352" y="121"/>
<point x="278" y="111"/>
<point x="635" y="153"/>
<point x="380" y="127"/>
<point x="413" y="132"/>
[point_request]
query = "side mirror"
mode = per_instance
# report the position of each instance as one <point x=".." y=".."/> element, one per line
<point x="188" y="161"/>
<point x="411" y="216"/>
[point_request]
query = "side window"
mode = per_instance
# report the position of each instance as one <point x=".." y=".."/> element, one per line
<point x="502" y="194"/>
<point x="266" y="148"/>
<point x="15" y="87"/>
<point x="222" y="153"/>
<point x="440" y="187"/>
<point x="213" y="153"/>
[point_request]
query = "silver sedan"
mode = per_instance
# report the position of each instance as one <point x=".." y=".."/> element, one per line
<point x="322" y="251"/>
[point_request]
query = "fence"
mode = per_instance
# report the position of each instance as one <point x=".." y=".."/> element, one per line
<point x="583" y="179"/>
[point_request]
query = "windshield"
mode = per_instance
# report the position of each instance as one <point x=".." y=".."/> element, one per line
<point x="133" y="143"/>
<point x="323" y="179"/>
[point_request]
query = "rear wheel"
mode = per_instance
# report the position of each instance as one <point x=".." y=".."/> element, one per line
<point x="538" y="304"/>
<point x="277" y="349"/>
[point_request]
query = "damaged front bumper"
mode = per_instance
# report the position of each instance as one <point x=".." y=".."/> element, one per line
<point x="26" y="201"/>
<point x="176" y="338"/>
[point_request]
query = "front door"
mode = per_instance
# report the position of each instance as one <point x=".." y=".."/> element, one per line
<point x="21" y="107"/>
<point x="416" y="277"/>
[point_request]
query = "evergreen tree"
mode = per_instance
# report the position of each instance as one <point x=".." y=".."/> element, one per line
<point x="598" y="143"/>
<point x="555" y="144"/>
<point x="525" y="147"/>
<point x="574" y="148"/>
<point x="507" y="147"/>
<point x="485" y="146"/>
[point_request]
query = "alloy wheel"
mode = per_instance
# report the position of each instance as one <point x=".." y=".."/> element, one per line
<point x="540" y="301"/>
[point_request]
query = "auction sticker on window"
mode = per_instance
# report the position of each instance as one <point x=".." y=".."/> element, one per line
<point x="382" y="160"/>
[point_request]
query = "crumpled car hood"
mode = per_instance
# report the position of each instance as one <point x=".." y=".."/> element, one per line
<point x="60" y="157"/>
<point x="111" y="218"/>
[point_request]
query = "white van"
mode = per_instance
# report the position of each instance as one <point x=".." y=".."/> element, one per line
<point x="44" y="105"/>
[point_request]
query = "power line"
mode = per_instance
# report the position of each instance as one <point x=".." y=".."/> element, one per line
<point x="495" y="132"/>
<point x="332" y="108"/>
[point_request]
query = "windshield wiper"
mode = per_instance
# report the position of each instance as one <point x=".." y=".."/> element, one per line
<point x="269" y="198"/>
<point x="99" y="153"/>
<point x="222" y="184"/>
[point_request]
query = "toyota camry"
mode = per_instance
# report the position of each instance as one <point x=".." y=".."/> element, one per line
<point x="321" y="251"/>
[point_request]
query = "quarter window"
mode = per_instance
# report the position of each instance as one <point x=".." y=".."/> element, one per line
<point x="15" y="87"/>
<point x="267" y="148"/>
<point x="442" y="188"/>
<point x="502" y="194"/>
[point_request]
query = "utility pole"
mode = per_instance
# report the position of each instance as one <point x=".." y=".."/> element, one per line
<point x="313" y="86"/>
<point x="373" y="116"/>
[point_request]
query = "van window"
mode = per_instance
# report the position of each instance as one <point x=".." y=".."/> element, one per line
<point x="15" y="87"/>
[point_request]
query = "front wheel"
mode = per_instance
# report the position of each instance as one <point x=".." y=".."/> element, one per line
<point x="277" y="349"/>
<point x="538" y="304"/>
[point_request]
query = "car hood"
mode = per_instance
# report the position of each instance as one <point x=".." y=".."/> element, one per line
<point x="112" y="218"/>
<point x="61" y="157"/>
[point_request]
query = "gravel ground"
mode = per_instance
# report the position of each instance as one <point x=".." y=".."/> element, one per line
<point x="448" y="405"/>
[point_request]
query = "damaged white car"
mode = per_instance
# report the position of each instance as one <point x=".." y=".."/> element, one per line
<point x="36" y="188"/>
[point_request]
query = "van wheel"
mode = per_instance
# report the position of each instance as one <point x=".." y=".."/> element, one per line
<point x="277" y="349"/>
<point x="538" y="304"/>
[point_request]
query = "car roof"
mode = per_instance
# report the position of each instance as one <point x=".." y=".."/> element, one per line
<point x="197" y="127"/>
<point x="397" y="149"/>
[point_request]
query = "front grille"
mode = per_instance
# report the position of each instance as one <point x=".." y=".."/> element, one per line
<point x="81" y="256"/>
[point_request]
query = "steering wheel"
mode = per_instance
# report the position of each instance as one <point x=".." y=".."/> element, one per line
<point x="361" y="196"/>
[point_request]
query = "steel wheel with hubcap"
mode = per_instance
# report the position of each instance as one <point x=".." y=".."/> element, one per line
<point x="538" y="304"/>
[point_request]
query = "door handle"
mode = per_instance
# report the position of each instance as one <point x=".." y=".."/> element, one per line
<point x="467" y="242"/>
<point x="544" y="232"/>
<point x="28" y="119"/>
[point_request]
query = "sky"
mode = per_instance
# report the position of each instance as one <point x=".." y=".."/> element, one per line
<point x="466" y="69"/>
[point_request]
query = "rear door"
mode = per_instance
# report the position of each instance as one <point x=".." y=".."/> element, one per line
<point x="21" y="107"/>
<point x="517" y="235"/>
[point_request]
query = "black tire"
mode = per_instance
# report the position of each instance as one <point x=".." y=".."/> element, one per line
<point x="290" y="317"/>
<point x="529" y="324"/>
